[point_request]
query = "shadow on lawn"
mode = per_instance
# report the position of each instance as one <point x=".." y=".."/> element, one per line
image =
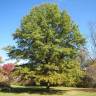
<point x="34" y="90"/>
<point x="44" y="91"/>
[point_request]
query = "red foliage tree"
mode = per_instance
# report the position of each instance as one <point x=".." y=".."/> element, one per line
<point x="8" y="68"/>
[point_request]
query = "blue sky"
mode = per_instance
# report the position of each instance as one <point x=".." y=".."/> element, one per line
<point x="11" y="12"/>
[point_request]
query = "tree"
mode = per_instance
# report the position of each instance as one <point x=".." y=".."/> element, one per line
<point x="8" y="68"/>
<point x="5" y="77"/>
<point x="92" y="27"/>
<point x="89" y="66"/>
<point x="50" y="41"/>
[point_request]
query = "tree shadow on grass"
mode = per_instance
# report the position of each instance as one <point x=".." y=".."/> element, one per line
<point x="33" y="90"/>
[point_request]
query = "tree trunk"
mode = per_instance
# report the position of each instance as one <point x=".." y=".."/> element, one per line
<point x="48" y="86"/>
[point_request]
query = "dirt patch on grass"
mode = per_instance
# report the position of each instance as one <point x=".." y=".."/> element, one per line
<point x="72" y="89"/>
<point x="72" y="93"/>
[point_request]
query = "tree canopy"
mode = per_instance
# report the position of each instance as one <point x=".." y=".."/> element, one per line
<point x="49" y="40"/>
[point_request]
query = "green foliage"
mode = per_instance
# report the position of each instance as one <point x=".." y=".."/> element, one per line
<point x="21" y="75"/>
<point x="50" y="40"/>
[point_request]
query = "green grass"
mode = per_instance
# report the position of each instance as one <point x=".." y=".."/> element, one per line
<point x="54" y="91"/>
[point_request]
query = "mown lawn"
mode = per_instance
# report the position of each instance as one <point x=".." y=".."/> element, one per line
<point x="54" y="91"/>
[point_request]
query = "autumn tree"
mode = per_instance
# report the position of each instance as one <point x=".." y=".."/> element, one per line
<point x="50" y="41"/>
<point x="5" y="78"/>
<point x="8" y="68"/>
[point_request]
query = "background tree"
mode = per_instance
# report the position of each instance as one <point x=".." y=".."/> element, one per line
<point x="5" y="78"/>
<point x="89" y="79"/>
<point x="50" y="41"/>
<point x="92" y="27"/>
<point x="8" y="68"/>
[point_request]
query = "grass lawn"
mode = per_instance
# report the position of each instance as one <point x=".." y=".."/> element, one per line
<point x="55" y="91"/>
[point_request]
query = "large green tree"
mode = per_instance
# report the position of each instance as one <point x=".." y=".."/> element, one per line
<point x="50" y="41"/>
